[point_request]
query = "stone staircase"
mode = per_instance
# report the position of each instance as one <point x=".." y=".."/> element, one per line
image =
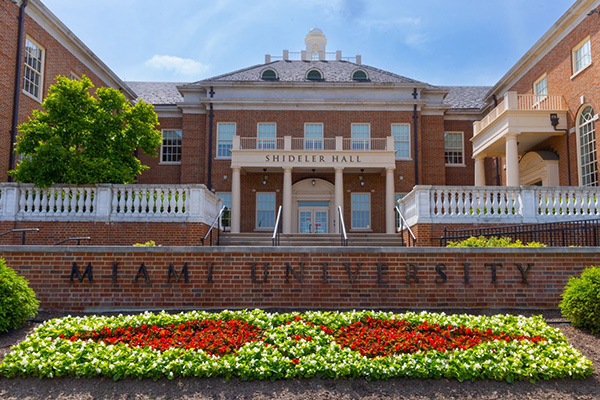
<point x="311" y="240"/>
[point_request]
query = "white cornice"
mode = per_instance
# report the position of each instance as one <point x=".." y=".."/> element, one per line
<point x="167" y="111"/>
<point x="570" y="19"/>
<point x="47" y="20"/>
<point x="351" y="85"/>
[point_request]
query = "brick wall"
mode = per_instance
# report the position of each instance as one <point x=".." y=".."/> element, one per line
<point x="219" y="278"/>
<point x="107" y="233"/>
<point x="161" y="173"/>
<point x="462" y="175"/>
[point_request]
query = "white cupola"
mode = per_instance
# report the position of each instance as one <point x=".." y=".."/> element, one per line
<point x="315" y="45"/>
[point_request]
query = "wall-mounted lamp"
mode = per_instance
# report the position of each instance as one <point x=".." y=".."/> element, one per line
<point x="360" y="178"/>
<point x="264" y="182"/>
<point x="314" y="182"/>
<point x="554" y="120"/>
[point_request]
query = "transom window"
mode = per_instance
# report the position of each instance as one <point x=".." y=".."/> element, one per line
<point x="361" y="210"/>
<point x="587" y="148"/>
<point x="401" y="134"/>
<point x="265" y="210"/>
<point x="359" y="75"/>
<point x="269" y="74"/>
<point x="582" y="55"/>
<point x="226" y="217"/>
<point x="361" y="134"/>
<point x="170" y="151"/>
<point x="314" y="75"/>
<point x="34" y="65"/>
<point x="267" y="133"/>
<point x="454" y="148"/>
<point x="313" y="136"/>
<point x="225" y="134"/>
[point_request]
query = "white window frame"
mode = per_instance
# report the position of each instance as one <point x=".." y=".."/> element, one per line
<point x="224" y="157"/>
<point x="575" y="58"/>
<point x="40" y="73"/>
<point x="462" y="135"/>
<point x="540" y="96"/>
<point x="400" y="141"/>
<point x="162" y="147"/>
<point x="314" y="141"/>
<point x="266" y="143"/>
<point x="265" y="228"/>
<point x="365" y="144"/>
<point x="226" y="217"/>
<point x="353" y="226"/>
<point x="578" y="128"/>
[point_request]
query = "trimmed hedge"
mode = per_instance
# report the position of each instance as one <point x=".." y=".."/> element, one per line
<point x="17" y="299"/>
<point x="581" y="300"/>
<point x="493" y="242"/>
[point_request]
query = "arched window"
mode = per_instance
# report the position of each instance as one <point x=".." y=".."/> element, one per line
<point x="359" y="75"/>
<point x="269" y="74"/>
<point x="586" y="134"/>
<point x="314" y="75"/>
<point x="315" y="56"/>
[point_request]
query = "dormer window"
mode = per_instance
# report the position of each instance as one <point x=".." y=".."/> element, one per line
<point x="314" y="75"/>
<point x="268" y="74"/>
<point x="359" y="75"/>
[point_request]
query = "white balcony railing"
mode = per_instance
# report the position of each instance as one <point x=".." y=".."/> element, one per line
<point x="105" y="202"/>
<point x="338" y="143"/>
<point x="499" y="204"/>
<point x="521" y="102"/>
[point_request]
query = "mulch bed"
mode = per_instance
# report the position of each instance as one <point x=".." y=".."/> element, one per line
<point x="308" y="389"/>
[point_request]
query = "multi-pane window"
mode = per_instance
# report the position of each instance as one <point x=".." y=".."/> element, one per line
<point x="582" y="56"/>
<point x="454" y="148"/>
<point x="267" y="132"/>
<point x="226" y="217"/>
<point x="401" y="134"/>
<point x="265" y="210"/>
<point x="540" y="89"/>
<point x="225" y="134"/>
<point x="361" y="210"/>
<point x="170" y="151"/>
<point x="34" y="65"/>
<point x="361" y="136"/>
<point x="587" y="148"/>
<point x="398" y="196"/>
<point x="313" y="136"/>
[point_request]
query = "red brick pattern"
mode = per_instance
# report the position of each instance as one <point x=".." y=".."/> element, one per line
<point x="223" y="279"/>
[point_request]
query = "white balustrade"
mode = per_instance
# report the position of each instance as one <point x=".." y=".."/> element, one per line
<point x="499" y="204"/>
<point x="106" y="202"/>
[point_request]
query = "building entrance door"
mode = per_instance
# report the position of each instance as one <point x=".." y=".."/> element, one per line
<point x="313" y="216"/>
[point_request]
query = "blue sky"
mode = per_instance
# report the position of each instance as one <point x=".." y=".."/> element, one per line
<point x="442" y="42"/>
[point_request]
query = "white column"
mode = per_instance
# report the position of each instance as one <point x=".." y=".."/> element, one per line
<point x="390" y="214"/>
<point x="480" y="170"/>
<point x="338" y="194"/>
<point x="287" y="200"/>
<point x="236" y="211"/>
<point x="512" y="160"/>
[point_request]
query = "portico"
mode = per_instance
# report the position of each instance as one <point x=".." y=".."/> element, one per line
<point x="290" y="155"/>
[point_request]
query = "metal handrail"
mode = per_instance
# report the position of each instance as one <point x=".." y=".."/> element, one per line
<point x="79" y="239"/>
<point x="217" y="219"/>
<point x="402" y="224"/>
<point x="276" y="231"/>
<point x="343" y="234"/>
<point x="24" y="231"/>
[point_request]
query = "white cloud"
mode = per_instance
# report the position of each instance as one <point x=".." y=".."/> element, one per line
<point x="181" y="66"/>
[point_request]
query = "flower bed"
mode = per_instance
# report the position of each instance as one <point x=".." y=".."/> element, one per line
<point x="259" y="345"/>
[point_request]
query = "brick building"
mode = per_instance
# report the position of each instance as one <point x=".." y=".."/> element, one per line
<point x="317" y="132"/>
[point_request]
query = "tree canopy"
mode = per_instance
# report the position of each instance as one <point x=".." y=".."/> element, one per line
<point x="80" y="138"/>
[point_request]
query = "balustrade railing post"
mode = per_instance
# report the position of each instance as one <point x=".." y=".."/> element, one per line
<point x="10" y="201"/>
<point x="103" y="209"/>
<point x="529" y="204"/>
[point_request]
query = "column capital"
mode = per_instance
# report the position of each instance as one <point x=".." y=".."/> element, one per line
<point x="338" y="169"/>
<point x="236" y="169"/>
<point x="510" y="135"/>
<point x="480" y="157"/>
<point x="390" y="169"/>
<point x="287" y="169"/>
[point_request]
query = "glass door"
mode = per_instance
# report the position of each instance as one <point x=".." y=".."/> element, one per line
<point x="313" y="219"/>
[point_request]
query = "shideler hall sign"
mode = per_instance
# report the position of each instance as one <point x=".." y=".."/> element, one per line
<point x="362" y="159"/>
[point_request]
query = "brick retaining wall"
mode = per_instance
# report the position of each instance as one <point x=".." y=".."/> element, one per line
<point x="223" y="277"/>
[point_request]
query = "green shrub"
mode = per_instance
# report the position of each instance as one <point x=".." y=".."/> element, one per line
<point x="581" y="300"/>
<point x="17" y="299"/>
<point x="493" y="242"/>
<point x="149" y="243"/>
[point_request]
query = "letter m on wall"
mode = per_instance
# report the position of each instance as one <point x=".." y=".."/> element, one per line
<point x="75" y="273"/>
<point x="174" y="274"/>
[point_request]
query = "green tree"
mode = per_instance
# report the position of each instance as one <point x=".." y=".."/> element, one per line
<point x="80" y="138"/>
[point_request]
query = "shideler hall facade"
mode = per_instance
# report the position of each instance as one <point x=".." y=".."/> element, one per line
<point x="316" y="132"/>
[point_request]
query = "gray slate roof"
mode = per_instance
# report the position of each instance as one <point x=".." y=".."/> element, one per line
<point x="295" y="71"/>
<point x="466" y="97"/>
<point x="157" y="92"/>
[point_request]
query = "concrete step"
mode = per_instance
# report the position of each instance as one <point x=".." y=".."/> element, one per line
<point x="310" y="240"/>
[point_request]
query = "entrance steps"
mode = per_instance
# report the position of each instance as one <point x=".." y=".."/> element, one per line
<point x="311" y="240"/>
